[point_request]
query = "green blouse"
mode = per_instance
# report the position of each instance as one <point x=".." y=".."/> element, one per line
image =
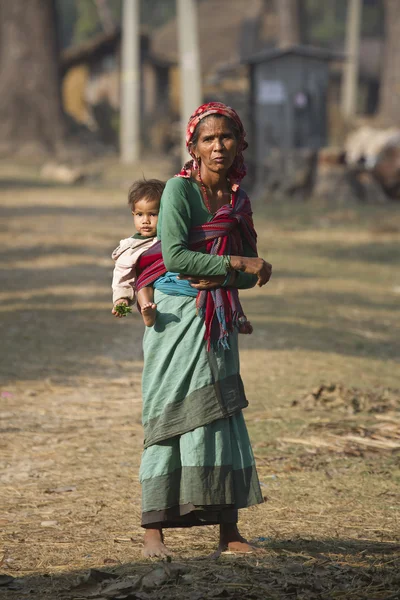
<point x="182" y="207"/>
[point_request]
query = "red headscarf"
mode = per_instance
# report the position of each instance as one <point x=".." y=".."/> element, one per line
<point x="238" y="169"/>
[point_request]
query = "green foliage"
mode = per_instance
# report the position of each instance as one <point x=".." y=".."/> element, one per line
<point x="66" y="19"/>
<point x="326" y="21"/>
<point x="122" y="309"/>
<point x="156" y="12"/>
<point x="87" y="23"/>
<point x="78" y="20"/>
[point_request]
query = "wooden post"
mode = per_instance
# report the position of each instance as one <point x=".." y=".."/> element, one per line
<point x="351" y="67"/>
<point x="130" y="82"/>
<point x="189" y="62"/>
<point x="389" y="93"/>
<point x="288" y="12"/>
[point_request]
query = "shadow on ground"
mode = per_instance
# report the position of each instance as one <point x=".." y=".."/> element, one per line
<point x="304" y="569"/>
<point x="74" y="328"/>
<point x="55" y="298"/>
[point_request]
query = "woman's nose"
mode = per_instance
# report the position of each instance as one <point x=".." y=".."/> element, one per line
<point x="218" y="144"/>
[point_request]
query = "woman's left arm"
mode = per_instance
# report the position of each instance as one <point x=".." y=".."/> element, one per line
<point x="246" y="281"/>
<point x="237" y="279"/>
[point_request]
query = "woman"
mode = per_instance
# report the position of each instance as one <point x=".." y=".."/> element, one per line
<point x="198" y="467"/>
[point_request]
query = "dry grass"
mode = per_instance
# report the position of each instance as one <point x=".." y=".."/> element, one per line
<point x="70" y="407"/>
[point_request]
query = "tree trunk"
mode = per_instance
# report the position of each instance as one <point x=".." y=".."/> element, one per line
<point x="31" y="115"/>
<point x="389" y="108"/>
<point x="289" y="19"/>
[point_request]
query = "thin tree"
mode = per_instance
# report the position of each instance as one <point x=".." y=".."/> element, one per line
<point x="105" y="15"/>
<point x="389" y="108"/>
<point x="351" y="67"/>
<point x="289" y="22"/>
<point x="31" y="112"/>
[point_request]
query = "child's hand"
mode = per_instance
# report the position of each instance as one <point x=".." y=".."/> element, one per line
<point x="121" y="308"/>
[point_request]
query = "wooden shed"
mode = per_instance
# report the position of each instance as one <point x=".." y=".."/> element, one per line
<point x="288" y="101"/>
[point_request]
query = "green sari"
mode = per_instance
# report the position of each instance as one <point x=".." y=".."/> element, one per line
<point x="198" y="466"/>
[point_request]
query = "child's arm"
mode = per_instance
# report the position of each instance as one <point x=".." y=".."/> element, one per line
<point x="124" y="275"/>
<point x="123" y="281"/>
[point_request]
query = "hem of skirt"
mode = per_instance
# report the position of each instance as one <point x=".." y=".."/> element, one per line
<point x="189" y="515"/>
<point x="202" y="486"/>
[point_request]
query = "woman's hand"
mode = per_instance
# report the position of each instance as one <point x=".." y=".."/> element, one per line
<point x="255" y="266"/>
<point x="204" y="283"/>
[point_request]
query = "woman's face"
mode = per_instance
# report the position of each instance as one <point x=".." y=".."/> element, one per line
<point x="216" y="145"/>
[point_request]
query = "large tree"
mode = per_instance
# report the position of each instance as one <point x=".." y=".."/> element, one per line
<point x="390" y="85"/>
<point x="31" y="114"/>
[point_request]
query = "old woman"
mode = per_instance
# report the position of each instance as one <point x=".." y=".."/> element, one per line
<point x="197" y="466"/>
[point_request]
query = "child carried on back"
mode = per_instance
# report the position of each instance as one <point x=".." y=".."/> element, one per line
<point x="144" y="200"/>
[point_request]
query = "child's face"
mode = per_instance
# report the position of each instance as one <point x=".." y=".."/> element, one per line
<point x="145" y="217"/>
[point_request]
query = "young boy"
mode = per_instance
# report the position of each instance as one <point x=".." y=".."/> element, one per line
<point x="144" y="200"/>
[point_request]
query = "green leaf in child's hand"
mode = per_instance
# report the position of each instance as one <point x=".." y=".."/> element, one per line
<point x="122" y="309"/>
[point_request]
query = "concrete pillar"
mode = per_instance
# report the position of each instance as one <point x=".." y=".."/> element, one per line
<point x="189" y="62"/>
<point x="130" y="82"/>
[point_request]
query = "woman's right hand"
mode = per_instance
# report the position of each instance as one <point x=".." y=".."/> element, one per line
<point x="255" y="266"/>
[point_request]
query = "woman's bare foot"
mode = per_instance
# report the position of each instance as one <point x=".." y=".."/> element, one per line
<point x="246" y="327"/>
<point x="149" y="310"/>
<point x="153" y="544"/>
<point x="230" y="540"/>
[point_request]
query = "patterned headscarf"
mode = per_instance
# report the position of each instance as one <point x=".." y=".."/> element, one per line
<point x="238" y="169"/>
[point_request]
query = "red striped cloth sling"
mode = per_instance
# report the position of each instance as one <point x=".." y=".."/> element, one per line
<point x="223" y="235"/>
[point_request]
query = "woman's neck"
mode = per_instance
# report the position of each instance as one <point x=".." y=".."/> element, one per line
<point x="214" y="182"/>
<point x="215" y="189"/>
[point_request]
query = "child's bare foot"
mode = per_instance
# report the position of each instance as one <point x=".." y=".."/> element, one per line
<point x="230" y="540"/>
<point x="153" y="544"/>
<point x="246" y="327"/>
<point x="149" y="310"/>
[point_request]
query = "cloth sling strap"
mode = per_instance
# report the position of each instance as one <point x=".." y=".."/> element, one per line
<point x="220" y="308"/>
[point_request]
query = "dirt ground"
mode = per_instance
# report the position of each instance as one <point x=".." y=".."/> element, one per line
<point x="70" y="428"/>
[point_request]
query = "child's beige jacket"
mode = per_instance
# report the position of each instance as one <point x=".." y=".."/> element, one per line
<point x="126" y="256"/>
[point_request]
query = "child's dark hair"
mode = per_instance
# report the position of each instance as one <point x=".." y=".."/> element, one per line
<point x="149" y="189"/>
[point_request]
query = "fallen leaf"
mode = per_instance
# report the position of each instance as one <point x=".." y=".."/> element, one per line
<point x="60" y="490"/>
<point x="110" y="561"/>
<point x="118" y="588"/>
<point x="221" y="593"/>
<point x="155" y="578"/>
<point x="163" y="573"/>
<point x="5" y="580"/>
<point x="90" y="584"/>
<point x="294" y="568"/>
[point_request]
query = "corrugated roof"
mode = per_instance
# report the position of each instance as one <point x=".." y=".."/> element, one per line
<point x="307" y="51"/>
